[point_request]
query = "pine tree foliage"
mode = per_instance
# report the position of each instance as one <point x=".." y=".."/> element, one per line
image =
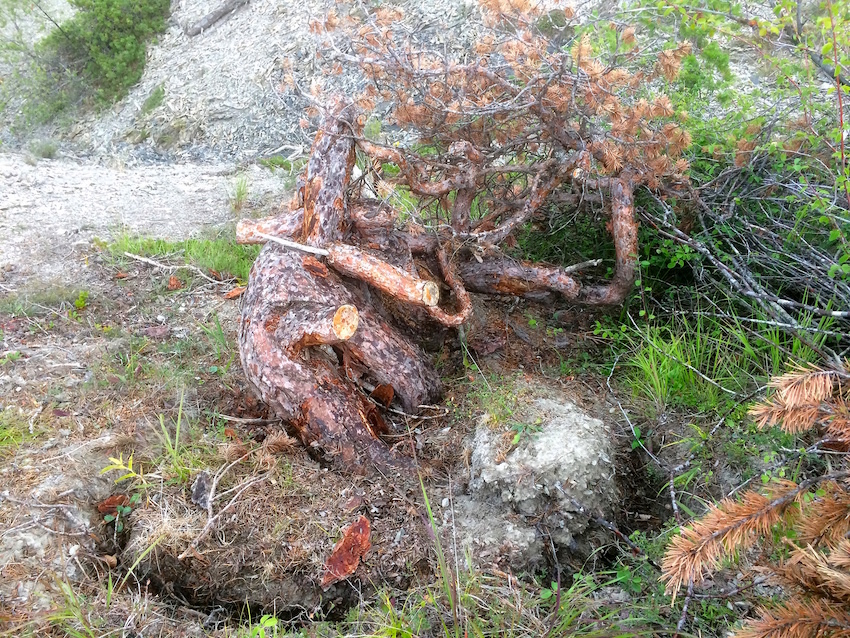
<point x="817" y="571"/>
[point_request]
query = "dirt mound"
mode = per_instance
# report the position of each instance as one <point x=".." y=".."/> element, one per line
<point x="269" y="547"/>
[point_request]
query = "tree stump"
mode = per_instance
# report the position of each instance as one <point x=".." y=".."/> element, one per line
<point x="318" y="328"/>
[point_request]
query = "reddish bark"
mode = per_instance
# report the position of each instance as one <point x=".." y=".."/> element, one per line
<point x="625" y="231"/>
<point x="347" y="553"/>
<point x="311" y="332"/>
<point x="355" y="263"/>
<point x="301" y="320"/>
<point x="506" y="276"/>
<point x="288" y="226"/>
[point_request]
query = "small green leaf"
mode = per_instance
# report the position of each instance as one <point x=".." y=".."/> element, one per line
<point x="109" y="518"/>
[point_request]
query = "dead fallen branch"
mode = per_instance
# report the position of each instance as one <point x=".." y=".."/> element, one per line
<point x="213" y="17"/>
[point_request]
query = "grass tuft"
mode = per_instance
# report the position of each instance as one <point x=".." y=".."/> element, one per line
<point x="224" y="256"/>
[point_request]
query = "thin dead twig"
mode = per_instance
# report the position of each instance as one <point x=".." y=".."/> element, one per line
<point x="214" y="519"/>
<point x="157" y="264"/>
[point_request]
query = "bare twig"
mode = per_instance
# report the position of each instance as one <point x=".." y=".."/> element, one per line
<point x="157" y="264"/>
<point x="214" y="519"/>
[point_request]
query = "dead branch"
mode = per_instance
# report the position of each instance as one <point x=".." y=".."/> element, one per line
<point x="214" y="16"/>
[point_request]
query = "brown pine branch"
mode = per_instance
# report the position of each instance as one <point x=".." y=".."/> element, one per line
<point x="799" y="619"/>
<point x="812" y="571"/>
<point x="728" y="526"/>
<point x="827" y="519"/>
<point x="805" y="385"/>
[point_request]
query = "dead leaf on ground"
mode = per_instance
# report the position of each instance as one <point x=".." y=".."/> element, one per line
<point x="110" y="504"/>
<point x="121" y="275"/>
<point x="235" y="292"/>
<point x="174" y="283"/>
<point x="156" y="332"/>
<point x="383" y="394"/>
<point x="347" y="553"/>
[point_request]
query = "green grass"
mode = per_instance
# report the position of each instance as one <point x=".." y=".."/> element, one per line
<point x="13" y="432"/>
<point x="239" y="195"/>
<point x="222" y="255"/>
<point x="498" y="397"/>
<point x="50" y="298"/>
<point x="45" y="149"/>
<point x="153" y="101"/>
<point x="701" y="362"/>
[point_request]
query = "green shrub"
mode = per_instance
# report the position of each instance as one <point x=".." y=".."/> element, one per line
<point x="90" y="59"/>
<point x="105" y="41"/>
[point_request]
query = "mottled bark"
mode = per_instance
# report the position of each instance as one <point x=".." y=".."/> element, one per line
<point x="288" y="226"/>
<point x="307" y="335"/>
<point x="384" y="276"/>
<point x="312" y="334"/>
<point x="625" y="231"/>
<point x="328" y="174"/>
<point x="506" y="276"/>
<point x="294" y="308"/>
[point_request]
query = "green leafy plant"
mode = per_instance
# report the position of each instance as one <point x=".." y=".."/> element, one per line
<point x="522" y="430"/>
<point x="82" y="300"/>
<point x="11" y="356"/>
<point x="45" y="149"/>
<point x="129" y="473"/>
<point x="266" y="627"/>
<point x="153" y="100"/>
<point x="105" y="41"/>
<point x="122" y="512"/>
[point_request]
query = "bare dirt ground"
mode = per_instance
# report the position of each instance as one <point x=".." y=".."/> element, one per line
<point x="51" y="206"/>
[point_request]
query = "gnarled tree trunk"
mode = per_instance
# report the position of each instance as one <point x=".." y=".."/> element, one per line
<point x="315" y="334"/>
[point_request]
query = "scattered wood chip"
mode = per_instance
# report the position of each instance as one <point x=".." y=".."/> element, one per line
<point x="347" y="553"/>
<point x="235" y="292"/>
